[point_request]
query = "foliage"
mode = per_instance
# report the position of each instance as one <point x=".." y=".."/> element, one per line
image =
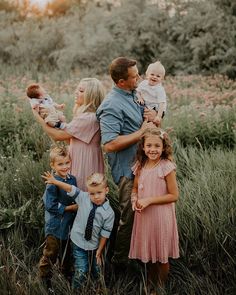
<point x="199" y="37"/>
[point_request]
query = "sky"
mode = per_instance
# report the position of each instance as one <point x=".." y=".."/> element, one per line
<point x="40" y="3"/>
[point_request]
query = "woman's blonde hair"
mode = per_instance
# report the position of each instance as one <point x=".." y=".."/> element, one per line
<point x="93" y="95"/>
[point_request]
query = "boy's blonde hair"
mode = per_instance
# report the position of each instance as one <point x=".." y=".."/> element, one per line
<point x="94" y="93"/>
<point x="157" y="66"/>
<point x="96" y="179"/>
<point x="58" y="151"/>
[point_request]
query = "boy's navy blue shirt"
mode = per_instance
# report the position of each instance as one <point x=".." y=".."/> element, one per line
<point x="58" y="222"/>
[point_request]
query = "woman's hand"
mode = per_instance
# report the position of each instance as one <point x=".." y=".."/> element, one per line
<point x="49" y="178"/>
<point x="37" y="116"/>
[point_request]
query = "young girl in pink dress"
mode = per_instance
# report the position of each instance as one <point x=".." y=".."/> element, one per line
<point x="155" y="191"/>
<point x="83" y="132"/>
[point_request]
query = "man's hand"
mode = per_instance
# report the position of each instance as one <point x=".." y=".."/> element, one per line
<point x="147" y="125"/>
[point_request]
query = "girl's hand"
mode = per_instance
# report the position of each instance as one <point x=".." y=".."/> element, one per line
<point x="143" y="203"/>
<point x="136" y="206"/>
<point x="49" y="178"/>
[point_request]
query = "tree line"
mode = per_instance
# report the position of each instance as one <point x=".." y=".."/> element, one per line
<point x="198" y="37"/>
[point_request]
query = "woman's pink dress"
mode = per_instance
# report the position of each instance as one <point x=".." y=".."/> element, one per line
<point x="85" y="147"/>
<point x="155" y="236"/>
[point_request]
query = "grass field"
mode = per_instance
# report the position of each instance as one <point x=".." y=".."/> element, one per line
<point x="201" y="121"/>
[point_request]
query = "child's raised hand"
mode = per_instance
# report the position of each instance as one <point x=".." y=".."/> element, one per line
<point x="49" y="178"/>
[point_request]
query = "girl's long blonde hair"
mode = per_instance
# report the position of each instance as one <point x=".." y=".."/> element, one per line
<point x="93" y="96"/>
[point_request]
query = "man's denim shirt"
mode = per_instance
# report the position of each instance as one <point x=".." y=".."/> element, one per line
<point x="120" y="114"/>
<point x="58" y="222"/>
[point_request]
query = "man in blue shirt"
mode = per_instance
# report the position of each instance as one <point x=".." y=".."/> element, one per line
<point x="122" y="126"/>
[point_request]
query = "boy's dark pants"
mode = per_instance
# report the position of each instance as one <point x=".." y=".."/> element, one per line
<point x="53" y="249"/>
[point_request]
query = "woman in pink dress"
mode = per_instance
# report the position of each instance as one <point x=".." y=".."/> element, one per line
<point x="154" y="236"/>
<point x="83" y="131"/>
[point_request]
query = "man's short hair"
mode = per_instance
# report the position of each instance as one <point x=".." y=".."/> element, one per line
<point x="119" y="68"/>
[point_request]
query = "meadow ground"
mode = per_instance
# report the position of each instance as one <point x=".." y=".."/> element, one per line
<point x="201" y="121"/>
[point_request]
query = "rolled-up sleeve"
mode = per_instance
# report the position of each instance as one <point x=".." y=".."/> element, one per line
<point x="74" y="191"/>
<point x="108" y="225"/>
<point x="111" y="122"/>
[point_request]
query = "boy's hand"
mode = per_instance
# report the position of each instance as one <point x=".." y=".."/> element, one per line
<point x="49" y="178"/>
<point x="72" y="208"/>
<point x="98" y="257"/>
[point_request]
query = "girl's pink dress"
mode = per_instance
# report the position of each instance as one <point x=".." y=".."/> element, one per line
<point x="85" y="147"/>
<point x="155" y="236"/>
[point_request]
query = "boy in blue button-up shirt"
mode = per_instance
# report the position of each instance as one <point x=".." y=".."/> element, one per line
<point x="59" y="216"/>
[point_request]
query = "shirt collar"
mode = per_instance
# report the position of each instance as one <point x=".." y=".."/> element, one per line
<point x="105" y="205"/>
<point x="124" y="92"/>
<point x="62" y="179"/>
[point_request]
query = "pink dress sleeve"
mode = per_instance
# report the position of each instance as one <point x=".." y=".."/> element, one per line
<point x="83" y="127"/>
<point x="166" y="167"/>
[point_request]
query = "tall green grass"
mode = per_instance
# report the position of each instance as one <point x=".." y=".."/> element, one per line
<point x="204" y="148"/>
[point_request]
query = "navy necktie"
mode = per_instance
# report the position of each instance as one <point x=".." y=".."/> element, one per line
<point x="89" y="226"/>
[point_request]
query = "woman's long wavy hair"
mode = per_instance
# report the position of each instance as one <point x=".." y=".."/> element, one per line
<point x="93" y="95"/>
<point x="167" y="153"/>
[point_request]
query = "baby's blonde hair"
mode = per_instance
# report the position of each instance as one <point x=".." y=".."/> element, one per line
<point x="96" y="179"/>
<point x="157" y="66"/>
<point x="58" y="151"/>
